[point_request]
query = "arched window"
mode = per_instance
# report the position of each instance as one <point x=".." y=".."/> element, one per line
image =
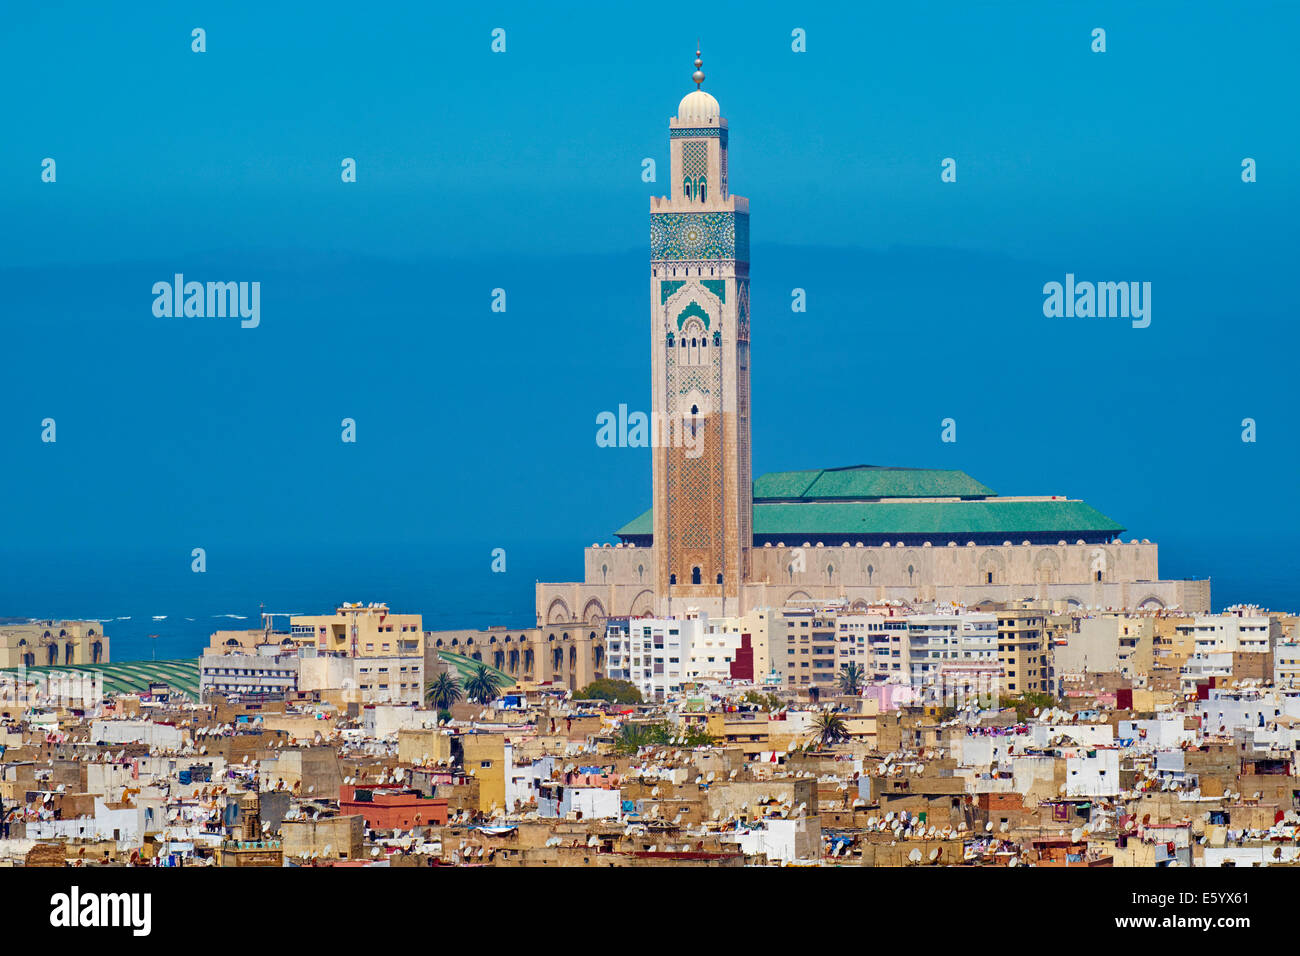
<point x="686" y="186"/>
<point x="672" y="579"/>
<point x="695" y="575"/>
<point x="704" y="188"/>
<point x="719" y="578"/>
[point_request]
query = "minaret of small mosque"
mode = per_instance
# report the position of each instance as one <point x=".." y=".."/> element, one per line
<point x="699" y="318"/>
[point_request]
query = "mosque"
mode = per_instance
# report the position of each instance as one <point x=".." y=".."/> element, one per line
<point x="719" y="540"/>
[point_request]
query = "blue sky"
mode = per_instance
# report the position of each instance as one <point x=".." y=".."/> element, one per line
<point x="522" y="171"/>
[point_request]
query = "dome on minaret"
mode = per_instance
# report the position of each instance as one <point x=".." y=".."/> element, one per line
<point x="698" y="106"/>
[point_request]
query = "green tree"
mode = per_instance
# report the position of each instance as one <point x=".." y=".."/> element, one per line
<point x="483" y="685"/>
<point x="851" y="678"/>
<point x="830" y="728"/>
<point x="443" y="691"/>
<point x="770" y="701"/>
<point x="632" y="737"/>
<point x="1027" y="703"/>
<point x="614" y="691"/>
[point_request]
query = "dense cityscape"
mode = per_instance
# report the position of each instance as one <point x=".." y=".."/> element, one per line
<point x="892" y="735"/>
<point x="841" y="666"/>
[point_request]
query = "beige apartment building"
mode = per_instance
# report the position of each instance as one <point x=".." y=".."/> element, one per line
<point x="1022" y="652"/>
<point x="805" y="647"/>
<point x="361" y="630"/>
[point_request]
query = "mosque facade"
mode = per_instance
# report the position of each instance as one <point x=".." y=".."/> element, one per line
<point x="718" y="540"/>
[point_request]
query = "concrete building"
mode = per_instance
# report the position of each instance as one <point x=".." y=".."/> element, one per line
<point x="653" y="653"/>
<point x="806" y="646"/>
<point x="1022" y="652"/>
<point x="53" y="643"/>
<point x="263" y="676"/>
<point x="1109" y="643"/>
<point x="756" y="624"/>
<point x="361" y="630"/>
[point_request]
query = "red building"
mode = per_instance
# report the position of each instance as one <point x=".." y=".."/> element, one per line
<point x="390" y="808"/>
<point x="742" y="668"/>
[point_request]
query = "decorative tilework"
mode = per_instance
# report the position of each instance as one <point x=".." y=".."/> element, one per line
<point x="705" y="235"/>
<point x="718" y="287"/>
<point x="695" y="158"/>
<point x="667" y="288"/>
<point x="694" y="131"/>
<point x="693" y="309"/>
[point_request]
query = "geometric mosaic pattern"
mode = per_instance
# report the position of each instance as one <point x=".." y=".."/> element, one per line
<point x="704" y="235"/>
<point x="713" y="132"/>
<point x="695" y="159"/>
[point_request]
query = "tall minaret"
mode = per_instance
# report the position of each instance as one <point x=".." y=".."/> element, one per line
<point x="699" y="344"/>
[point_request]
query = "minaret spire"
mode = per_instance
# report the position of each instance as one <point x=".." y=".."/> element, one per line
<point x="697" y="76"/>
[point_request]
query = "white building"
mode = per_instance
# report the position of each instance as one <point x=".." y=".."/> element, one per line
<point x="1234" y="630"/>
<point x="1092" y="772"/>
<point x="557" y="799"/>
<point x="653" y="653"/>
<point x="937" y="642"/>
<point x="783" y="841"/>
<point x="1286" y="665"/>
<point x="157" y="736"/>
<point x="712" y="654"/>
<point x="267" y="675"/>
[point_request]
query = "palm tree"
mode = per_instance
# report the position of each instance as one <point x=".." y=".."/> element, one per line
<point x="852" y="678"/>
<point x="632" y="737"/>
<point x="484" y="685"/>
<point x="830" y="728"/>
<point x="443" y="691"/>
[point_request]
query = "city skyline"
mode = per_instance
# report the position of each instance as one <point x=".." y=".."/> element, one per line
<point x="938" y="522"/>
<point x="970" y="258"/>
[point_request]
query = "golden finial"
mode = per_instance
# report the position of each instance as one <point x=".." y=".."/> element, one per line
<point x="698" y="76"/>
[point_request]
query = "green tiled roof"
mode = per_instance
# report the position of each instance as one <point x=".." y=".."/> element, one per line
<point x="785" y="484"/>
<point x="134" y="677"/>
<point x="910" y="518"/>
<point x="869" y="481"/>
<point x="990" y="516"/>
<point x="643" y="523"/>
<point x="835" y="503"/>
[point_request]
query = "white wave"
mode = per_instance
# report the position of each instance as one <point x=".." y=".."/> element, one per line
<point x="160" y="617"/>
